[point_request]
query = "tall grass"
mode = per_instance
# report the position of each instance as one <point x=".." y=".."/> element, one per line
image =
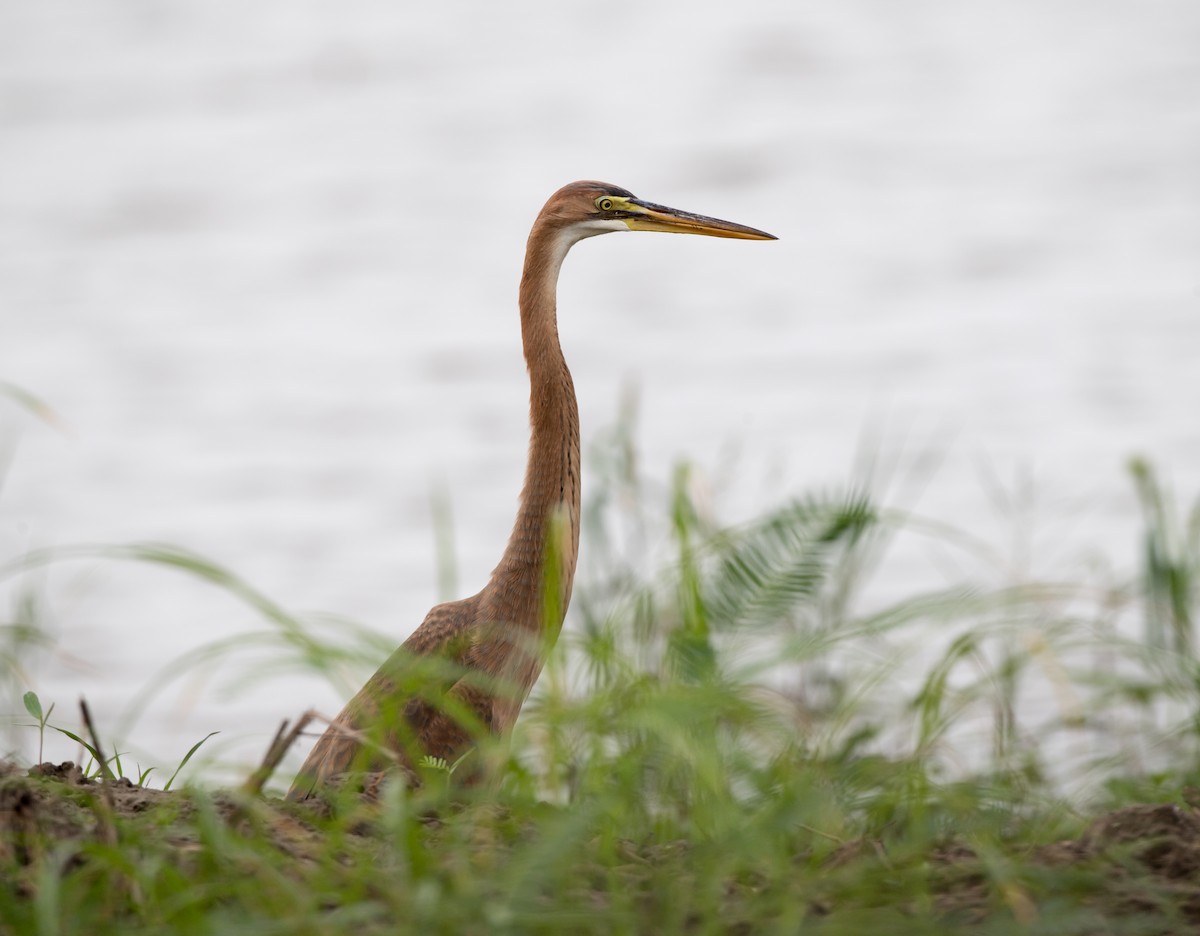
<point x="732" y="736"/>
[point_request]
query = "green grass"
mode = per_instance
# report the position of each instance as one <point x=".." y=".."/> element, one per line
<point x="730" y="737"/>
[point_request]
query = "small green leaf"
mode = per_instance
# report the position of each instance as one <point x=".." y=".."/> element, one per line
<point x="187" y="757"/>
<point x="74" y="737"/>
<point x="33" y="704"/>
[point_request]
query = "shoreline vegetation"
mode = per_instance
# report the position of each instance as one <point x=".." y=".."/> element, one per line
<point x="722" y="742"/>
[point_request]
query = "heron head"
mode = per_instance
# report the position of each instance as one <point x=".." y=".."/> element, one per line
<point x="589" y="208"/>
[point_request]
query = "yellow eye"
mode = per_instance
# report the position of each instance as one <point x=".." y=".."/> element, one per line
<point x="604" y="204"/>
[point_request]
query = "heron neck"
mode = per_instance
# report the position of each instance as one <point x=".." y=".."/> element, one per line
<point x="550" y="500"/>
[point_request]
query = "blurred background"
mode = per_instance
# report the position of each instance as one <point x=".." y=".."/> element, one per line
<point x="261" y="262"/>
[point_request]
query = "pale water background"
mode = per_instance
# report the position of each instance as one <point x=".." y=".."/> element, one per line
<point x="261" y="259"/>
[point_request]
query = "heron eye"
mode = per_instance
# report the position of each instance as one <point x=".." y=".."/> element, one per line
<point x="604" y="204"/>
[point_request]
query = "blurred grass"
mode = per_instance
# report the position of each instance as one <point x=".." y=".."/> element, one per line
<point x="730" y="737"/>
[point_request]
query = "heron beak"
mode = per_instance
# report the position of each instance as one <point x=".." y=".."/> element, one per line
<point x="649" y="217"/>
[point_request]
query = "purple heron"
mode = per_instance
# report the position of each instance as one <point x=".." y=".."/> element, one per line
<point x="499" y="638"/>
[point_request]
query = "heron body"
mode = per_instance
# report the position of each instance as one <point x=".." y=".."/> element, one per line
<point x="496" y="641"/>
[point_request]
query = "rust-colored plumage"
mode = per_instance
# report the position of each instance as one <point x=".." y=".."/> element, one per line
<point x="500" y="636"/>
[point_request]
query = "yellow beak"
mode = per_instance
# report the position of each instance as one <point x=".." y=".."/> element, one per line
<point x="644" y="216"/>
